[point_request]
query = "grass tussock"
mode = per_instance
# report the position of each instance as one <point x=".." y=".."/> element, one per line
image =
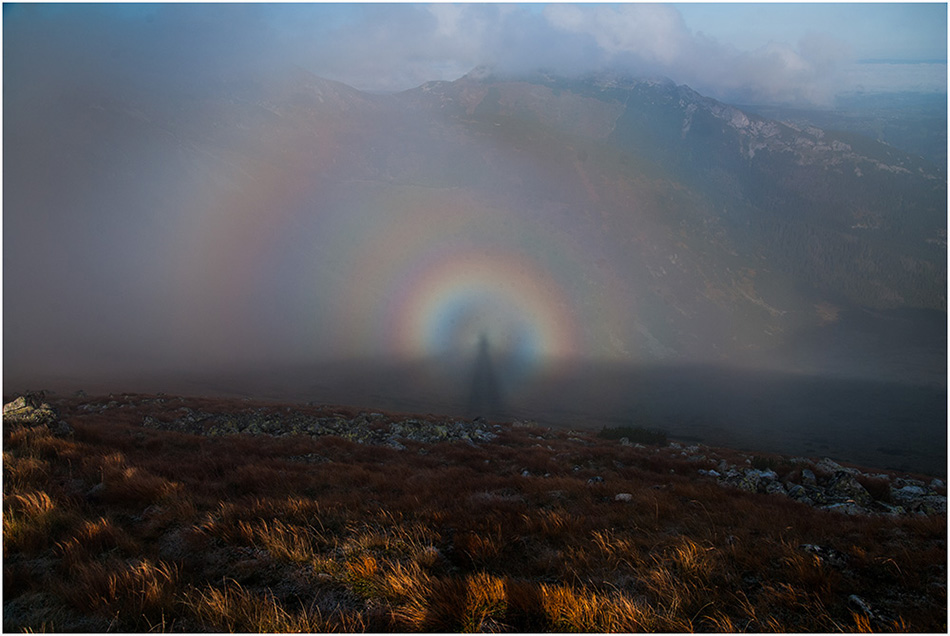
<point x="126" y="528"/>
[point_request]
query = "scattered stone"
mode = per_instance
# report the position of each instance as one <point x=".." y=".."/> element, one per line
<point x="808" y="478"/>
<point x="623" y="496"/>
<point x="595" y="480"/>
<point x="861" y="605"/>
<point x="826" y="554"/>
<point x="847" y="508"/>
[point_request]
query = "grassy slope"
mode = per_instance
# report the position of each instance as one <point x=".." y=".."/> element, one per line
<point x="128" y="528"/>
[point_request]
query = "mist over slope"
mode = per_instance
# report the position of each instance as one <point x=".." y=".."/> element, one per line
<point x="295" y="218"/>
<point x="293" y="222"/>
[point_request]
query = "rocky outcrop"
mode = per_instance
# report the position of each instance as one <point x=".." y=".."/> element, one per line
<point x="29" y="410"/>
<point x="827" y="485"/>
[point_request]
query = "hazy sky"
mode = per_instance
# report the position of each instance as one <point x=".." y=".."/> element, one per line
<point x="757" y="52"/>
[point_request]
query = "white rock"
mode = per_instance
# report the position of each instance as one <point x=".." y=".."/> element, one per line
<point x="623" y="496"/>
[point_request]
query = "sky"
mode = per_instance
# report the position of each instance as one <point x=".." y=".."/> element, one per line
<point x="137" y="223"/>
<point x="775" y="53"/>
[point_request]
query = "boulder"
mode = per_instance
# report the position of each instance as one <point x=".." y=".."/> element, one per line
<point x="808" y="478"/>
<point x="755" y="480"/>
<point x="845" y="488"/>
<point x="929" y="505"/>
<point x="29" y="410"/>
<point x="908" y="492"/>
<point x="623" y="496"/>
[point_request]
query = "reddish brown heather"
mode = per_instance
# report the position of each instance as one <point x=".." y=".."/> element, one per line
<point x="128" y="528"/>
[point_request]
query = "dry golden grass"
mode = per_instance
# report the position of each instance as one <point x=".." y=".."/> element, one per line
<point x="92" y="538"/>
<point x="31" y="522"/>
<point x="235" y="609"/>
<point x="151" y="530"/>
<point x="141" y="593"/>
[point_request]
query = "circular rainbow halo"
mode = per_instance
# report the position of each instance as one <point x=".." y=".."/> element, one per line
<point x="449" y="303"/>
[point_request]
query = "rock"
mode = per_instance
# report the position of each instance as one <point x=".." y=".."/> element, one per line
<point x="929" y="505"/>
<point x="708" y="473"/>
<point x="888" y="509"/>
<point x="831" y="466"/>
<point x="795" y="491"/>
<point x="808" y="478"/>
<point x="29" y="410"/>
<point x="908" y="493"/>
<point x="826" y="554"/>
<point x="16" y="405"/>
<point x="61" y="429"/>
<point x="804" y="494"/>
<point x="623" y="496"/>
<point x="847" y="508"/>
<point x="937" y="483"/>
<point x="844" y="486"/>
<point x="860" y="604"/>
<point x="755" y="480"/>
<point x="595" y="480"/>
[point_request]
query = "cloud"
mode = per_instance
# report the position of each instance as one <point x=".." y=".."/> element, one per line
<point x="654" y="39"/>
<point x="653" y="32"/>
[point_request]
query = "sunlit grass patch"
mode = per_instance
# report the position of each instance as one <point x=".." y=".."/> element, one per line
<point x="93" y="537"/>
<point x="139" y="595"/>
<point x="125" y="484"/>
<point x="232" y="608"/>
<point x="32" y="522"/>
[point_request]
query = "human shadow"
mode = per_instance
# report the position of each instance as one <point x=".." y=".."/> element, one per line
<point x="485" y="397"/>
